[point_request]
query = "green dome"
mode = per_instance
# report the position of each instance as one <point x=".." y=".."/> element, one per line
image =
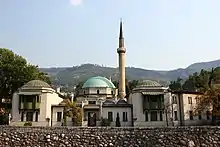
<point x="148" y="83"/>
<point x="98" y="82"/>
<point x="36" y="84"/>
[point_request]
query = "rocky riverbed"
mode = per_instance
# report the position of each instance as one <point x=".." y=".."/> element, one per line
<point x="109" y="137"/>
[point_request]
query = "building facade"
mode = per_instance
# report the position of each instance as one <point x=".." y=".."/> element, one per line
<point x="150" y="102"/>
<point x="33" y="103"/>
<point x="183" y="107"/>
<point x="98" y="99"/>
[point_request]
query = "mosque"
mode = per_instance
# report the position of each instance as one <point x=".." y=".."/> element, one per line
<point x="149" y="104"/>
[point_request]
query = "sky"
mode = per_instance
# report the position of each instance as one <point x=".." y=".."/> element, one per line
<point x="159" y="34"/>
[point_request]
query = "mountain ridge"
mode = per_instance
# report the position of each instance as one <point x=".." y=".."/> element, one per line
<point x="72" y="75"/>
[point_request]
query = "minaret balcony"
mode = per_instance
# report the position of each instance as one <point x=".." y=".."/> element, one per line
<point x="121" y="50"/>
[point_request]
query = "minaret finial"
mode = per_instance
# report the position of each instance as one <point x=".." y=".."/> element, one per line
<point x="121" y="36"/>
<point x="121" y="30"/>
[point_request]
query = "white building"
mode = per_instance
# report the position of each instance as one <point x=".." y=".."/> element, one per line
<point x="150" y="101"/>
<point x="98" y="99"/>
<point x="149" y="104"/>
<point x="33" y="103"/>
<point x="112" y="108"/>
<point x="183" y="106"/>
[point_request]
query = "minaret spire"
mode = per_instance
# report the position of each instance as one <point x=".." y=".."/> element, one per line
<point x="121" y="36"/>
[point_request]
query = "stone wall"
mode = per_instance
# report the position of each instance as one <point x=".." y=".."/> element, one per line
<point x="106" y="137"/>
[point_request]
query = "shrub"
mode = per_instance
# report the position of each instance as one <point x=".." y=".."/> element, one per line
<point x="105" y="122"/>
<point x="28" y="124"/>
<point x="118" y="124"/>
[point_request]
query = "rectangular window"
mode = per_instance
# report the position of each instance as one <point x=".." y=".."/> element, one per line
<point x="110" y="116"/>
<point x="22" y="116"/>
<point x="29" y="116"/>
<point x="153" y="115"/>
<point x="36" y="116"/>
<point x="146" y="116"/>
<point x="38" y="98"/>
<point x="190" y="100"/>
<point x="197" y="100"/>
<point x="200" y="116"/>
<point x="161" y="115"/>
<point x="190" y="115"/>
<point x="153" y="99"/>
<point x="125" y="116"/>
<point x="92" y="102"/>
<point x="208" y="115"/>
<point x="175" y="115"/>
<point x="22" y="98"/>
<point x="174" y="100"/>
<point x="29" y="98"/>
<point x="59" y="116"/>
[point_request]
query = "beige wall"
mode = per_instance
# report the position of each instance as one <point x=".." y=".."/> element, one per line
<point x="54" y="116"/>
<point x="102" y="91"/>
<point x="186" y="108"/>
<point x="137" y="100"/>
<point x="119" y="110"/>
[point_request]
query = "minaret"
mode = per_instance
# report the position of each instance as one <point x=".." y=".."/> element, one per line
<point x="121" y="53"/>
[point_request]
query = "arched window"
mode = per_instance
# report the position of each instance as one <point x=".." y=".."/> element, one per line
<point x="112" y="92"/>
<point x="84" y="92"/>
<point x="97" y="91"/>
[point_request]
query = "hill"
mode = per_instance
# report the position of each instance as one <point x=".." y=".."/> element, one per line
<point x="72" y="75"/>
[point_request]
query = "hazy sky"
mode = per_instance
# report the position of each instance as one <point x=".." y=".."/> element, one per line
<point x="159" y="34"/>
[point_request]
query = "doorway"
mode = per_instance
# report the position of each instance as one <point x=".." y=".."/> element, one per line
<point x="91" y="119"/>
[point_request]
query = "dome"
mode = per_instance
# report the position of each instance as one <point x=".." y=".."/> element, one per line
<point x="98" y="82"/>
<point x="149" y="83"/>
<point x="36" y="84"/>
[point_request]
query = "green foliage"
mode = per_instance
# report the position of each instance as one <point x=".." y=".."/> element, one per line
<point x="68" y="96"/>
<point x="198" y="81"/>
<point x="132" y="84"/>
<point x="4" y="119"/>
<point x="129" y="85"/>
<point x="28" y="124"/>
<point x="105" y="122"/>
<point x="15" y="72"/>
<point x="71" y="110"/>
<point x="176" y="85"/>
<point x="78" y="88"/>
<point x="208" y="83"/>
<point x="64" y="120"/>
<point x="118" y="124"/>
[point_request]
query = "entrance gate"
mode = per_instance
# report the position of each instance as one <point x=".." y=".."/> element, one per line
<point x="91" y="119"/>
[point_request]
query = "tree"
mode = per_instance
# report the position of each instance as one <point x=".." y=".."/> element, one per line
<point x="78" y="88"/>
<point x="168" y="109"/>
<point x="118" y="124"/>
<point x="71" y="110"/>
<point x="210" y="100"/>
<point x="15" y="72"/>
<point x="4" y="119"/>
<point x="116" y="83"/>
<point x="211" y="97"/>
<point x="105" y="122"/>
<point x="176" y="85"/>
<point x="202" y="81"/>
<point x="129" y="85"/>
<point x="133" y="84"/>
